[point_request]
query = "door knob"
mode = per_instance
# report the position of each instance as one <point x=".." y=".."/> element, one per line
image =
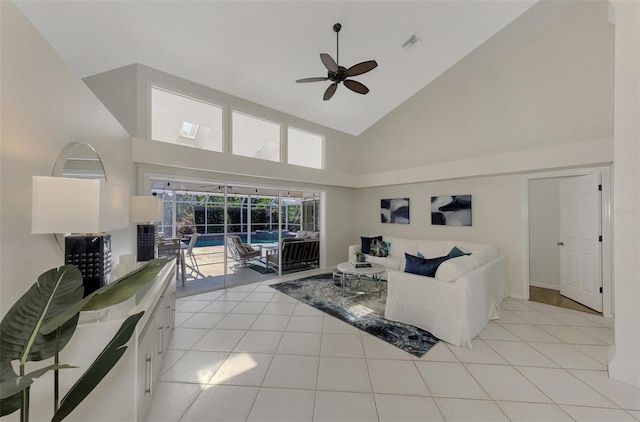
<point x="560" y="243"/>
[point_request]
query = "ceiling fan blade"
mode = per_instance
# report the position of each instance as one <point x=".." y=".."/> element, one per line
<point x="328" y="62"/>
<point x="318" y="79"/>
<point x="356" y="86"/>
<point x="361" y="68"/>
<point x="330" y="91"/>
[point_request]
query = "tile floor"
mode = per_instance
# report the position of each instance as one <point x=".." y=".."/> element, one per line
<point x="250" y="353"/>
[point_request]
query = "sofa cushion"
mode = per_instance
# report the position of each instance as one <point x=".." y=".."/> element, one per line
<point x="454" y="268"/>
<point x="398" y="246"/>
<point x="379" y="248"/>
<point x="365" y="243"/>
<point x="423" y="266"/>
<point x="389" y="263"/>
<point x="456" y="252"/>
<point x="434" y="248"/>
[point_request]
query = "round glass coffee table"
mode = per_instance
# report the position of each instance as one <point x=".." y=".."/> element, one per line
<point x="371" y="273"/>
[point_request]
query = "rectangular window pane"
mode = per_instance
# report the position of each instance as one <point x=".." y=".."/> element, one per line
<point x="304" y="148"/>
<point x="178" y="119"/>
<point x="254" y="137"/>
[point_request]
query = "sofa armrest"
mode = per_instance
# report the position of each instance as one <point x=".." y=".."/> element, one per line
<point x="352" y="252"/>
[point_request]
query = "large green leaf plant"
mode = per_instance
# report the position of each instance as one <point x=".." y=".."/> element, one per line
<point x="41" y="323"/>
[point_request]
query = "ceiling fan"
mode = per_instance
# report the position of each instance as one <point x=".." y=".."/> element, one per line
<point x="337" y="73"/>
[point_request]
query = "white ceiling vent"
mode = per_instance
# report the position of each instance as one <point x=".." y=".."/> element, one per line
<point x="411" y="42"/>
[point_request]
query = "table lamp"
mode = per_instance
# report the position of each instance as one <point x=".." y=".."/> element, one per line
<point x="145" y="210"/>
<point x="83" y="210"/>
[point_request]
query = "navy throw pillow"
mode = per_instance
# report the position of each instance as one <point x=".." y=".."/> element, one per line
<point x="423" y="266"/>
<point x="365" y="243"/>
<point x="455" y="252"/>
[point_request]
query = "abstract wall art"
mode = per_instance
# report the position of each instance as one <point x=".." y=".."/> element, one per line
<point x="451" y="210"/>
<point x="394" y="211"/>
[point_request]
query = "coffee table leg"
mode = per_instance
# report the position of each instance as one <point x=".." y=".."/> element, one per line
<point x="342" y="282"/>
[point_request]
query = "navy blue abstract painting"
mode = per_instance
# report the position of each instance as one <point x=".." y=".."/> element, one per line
<point x="454" y="210"/>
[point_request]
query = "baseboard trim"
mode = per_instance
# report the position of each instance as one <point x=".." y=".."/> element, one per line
<point x="544" y="286"/>
<point x="625" y="370"/>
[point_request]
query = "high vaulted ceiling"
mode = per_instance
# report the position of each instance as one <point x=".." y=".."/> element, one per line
<point x="256" y="50"/>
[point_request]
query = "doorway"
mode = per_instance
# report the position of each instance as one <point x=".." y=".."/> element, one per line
<point x="567" y="246"/>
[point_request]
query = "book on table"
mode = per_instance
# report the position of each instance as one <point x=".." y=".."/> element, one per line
<point x="361" y="264"/>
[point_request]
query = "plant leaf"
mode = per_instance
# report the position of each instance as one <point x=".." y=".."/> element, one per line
<point x="11" y="383"/>
<point x="127" y="286"/>
<point x="54" y="292"/>
<point x="111" y="294"/>
<point x="99" y="368"/>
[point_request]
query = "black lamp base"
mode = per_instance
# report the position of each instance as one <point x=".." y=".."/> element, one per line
<point x="147" y="242"/>
<point x="91" y="253"/>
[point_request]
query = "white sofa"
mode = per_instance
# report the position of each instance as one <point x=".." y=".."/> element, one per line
<point x="458" y="302"/>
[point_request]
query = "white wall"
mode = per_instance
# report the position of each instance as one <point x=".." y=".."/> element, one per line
<point x="529" y="86"/>
<point x="44" y="107"/>
<point x="496" y="216"/>
<point x="625" y="365"/>
<point x="544" y="233"/>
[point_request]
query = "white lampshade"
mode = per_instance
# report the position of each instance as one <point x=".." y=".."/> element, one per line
<point x="69" y="205"/>
<point x="145" y="209"/>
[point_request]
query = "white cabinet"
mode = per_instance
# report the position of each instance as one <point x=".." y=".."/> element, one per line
<point x="126" y="392"/>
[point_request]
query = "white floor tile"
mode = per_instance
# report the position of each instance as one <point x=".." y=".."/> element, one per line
<point x="396" y="377"/>
<point x="246" y="288"/>
<point x="343" y="374"/>
<point x="575" y="319"/>
<point x="259" y="342"/>
<point x="194" y="367"/>
<point x="493" y="331"/>
<point x="344" y="407"/>
<point x="567" y="356"/>
<point x="279" y="308"/>
<point x="563" y="388"/>
<point x="438" y="353"/>
<point x="544" y="307"/>
<point x="294" y="343"/>
<point x="191" y="306"/>
<point x="170" y="357"/>
<point x="236" y="322"/>
<point x="570" y="335"/>
<point x="634" y="413"/>
<point x="171" y="400"/>
<point x="393" y="408"/>
<point x="534" y="412"/>
<point x="289" y="371"/>
<point x="517" y="353"/>
<point x="450" y="380"/>
<point x="262" y="288"/>
<point x="182" y="317"/>
<point x="508" y="317"/>
<point x="597" y="352"/>
<point x="624" y="395"/>
<point x="470" y="410"/>
<point x="514" y="305"/>
<point x="222" y="403"/>
<point x="208" y="295"/>
<point x="305" y="324"/>
<point x="270" y="323"/>
<point x="584" y="414"/>
<point x="185" y="338"/>
<point x="304" y="309"/>
<point x="335" y="326"/>
<point x="282" y="405"/>
<point x="282" y="298"/>
<point x="219" y="340"/>
<point x="605" y="322"/>
<point x="202" y="320"/>
<point x="503" y="382"/>
<point x="601" y="333"/>
<point x="527" y="332"/>
<point x="259" y="297"/>
<point x="243" y="369"/>
<point x="479" y="353"/>
<point x="342" y="345"/>
<point x="374" y="348"/>
<point x="231" y="296"/>
<point x="249" y="308"/>
<point x="539" y="318"/>
<point x="220" y="307"/>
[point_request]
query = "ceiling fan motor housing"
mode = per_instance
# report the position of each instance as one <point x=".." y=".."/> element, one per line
<point x="338" y="76"/>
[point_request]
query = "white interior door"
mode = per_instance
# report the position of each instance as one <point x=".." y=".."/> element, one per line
<point x="579" y="243"/>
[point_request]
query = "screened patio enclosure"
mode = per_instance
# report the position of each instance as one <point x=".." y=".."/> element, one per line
<point x="260" y="217"/>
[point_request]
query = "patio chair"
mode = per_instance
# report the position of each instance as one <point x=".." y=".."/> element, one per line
<point x="241" y="252"/>
<point x="189" y="250"/>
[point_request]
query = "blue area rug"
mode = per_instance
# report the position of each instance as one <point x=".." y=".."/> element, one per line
<point x="364" y="311"/>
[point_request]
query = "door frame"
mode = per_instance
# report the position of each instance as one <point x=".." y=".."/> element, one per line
<point x="606" y="222"/>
